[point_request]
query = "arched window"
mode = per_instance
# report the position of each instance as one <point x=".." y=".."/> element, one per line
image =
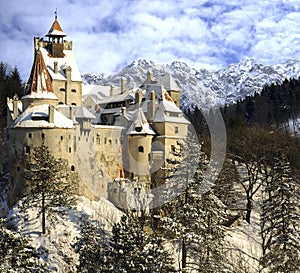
<point x="141" y="149"/>
<point x="72" y="168"/>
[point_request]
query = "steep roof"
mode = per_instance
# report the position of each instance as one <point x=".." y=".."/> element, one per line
<point x="37" y="116"/>
<point x="167" y="111"/>
<point x="56" y="30"/>
<point x="82" y="112"/>
<point x="62" y="63"/>
<point x="140" y="125"/>
<point x="39" y="84"/>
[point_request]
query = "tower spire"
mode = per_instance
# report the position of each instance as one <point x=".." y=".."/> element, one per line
<point x="55" y="14"/>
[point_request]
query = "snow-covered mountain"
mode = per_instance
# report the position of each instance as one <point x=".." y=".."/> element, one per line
<point x="202" y="88"/>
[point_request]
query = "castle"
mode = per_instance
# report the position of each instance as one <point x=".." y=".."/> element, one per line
<point x="113" y="137"/>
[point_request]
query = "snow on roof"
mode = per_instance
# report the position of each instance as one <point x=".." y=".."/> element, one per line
<point x="82" y="112"/>
<point x="67" y="60"/>
<point x="100" y="91"/>
<point x="39" y="84"/>
<point x="117" y="98"/>
<point x="140" y="125"/>
<point x="167" y="81"/>
<point x="37" y="116"/>
<point x="167" y="111"/>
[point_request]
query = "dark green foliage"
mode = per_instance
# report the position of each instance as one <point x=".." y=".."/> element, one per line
<point x="17" y="255"/>
<point x="92" y="247"/>
<point x="10" y="85"/>
<point x="49" y="185"/>
<point x="133" y="250"/>
<point x="280" y="220"/>
<point x="129" y="249"/>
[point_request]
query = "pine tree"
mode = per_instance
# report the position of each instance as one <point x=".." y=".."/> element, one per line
<point x="49" y="185"/>
<point x="15" y="85"/>
<point x="280" y="220"/>
<point x="132" y="250"/>
<point x="17" y="255"/>
<point x="92" y="247"/>
<point x="195" y="217"/>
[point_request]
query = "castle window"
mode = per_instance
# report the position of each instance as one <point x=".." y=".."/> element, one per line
<point x="61" y="137"/>
<point x="60" y="103"/>
<point x="43" y="136"/>
<point x="62" y="90"/>
<point x="141" y="149"/>
<point x="27" y="150"/>
<point x="173" y="148"/>
<point x="72" y="168"/>
<point x="73" y="90"/>
<point x="73" y="103"/>
<point x="30" y="135"/>
<point x="70" y="150"/>
<point x="138" y="128"/>
<point x="18" y="169"/>
<point x="176" y="130"/>
<point x="105" y="140"/>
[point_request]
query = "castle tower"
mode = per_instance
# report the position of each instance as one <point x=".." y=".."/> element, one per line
<point x="139" y="136"/>
<point x="56" y="35"/>
<point x="39" y="87"/>
<point x="61" y="65"/>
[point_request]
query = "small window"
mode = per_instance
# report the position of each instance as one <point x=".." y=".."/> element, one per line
<point x="43" y="136"/>
<point x="173" y="148"/>
<point x="60" y="103"/>
<point x="70" y="150"/>
<point x="105" y="140"/>
<point x="30" y="135"/>
<point x="72" y="168"/>
<point x="61" y="138"/>
<point x="18" y="169"/>
<point x="62" y="90"/>
<point x="141" y="149"/>
<point x="73" y="90"/>
<point x="27" y="150"/>
<point x="73" y="103"/>
<point x="176" y="130"/>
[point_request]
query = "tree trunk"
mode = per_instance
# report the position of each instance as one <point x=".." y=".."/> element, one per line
<point x="184" y="254"/>
<point x="248" y="210"/>
<point x="43" y="214"/>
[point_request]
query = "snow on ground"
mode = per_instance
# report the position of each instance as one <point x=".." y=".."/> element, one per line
<point x="56" y="245"/>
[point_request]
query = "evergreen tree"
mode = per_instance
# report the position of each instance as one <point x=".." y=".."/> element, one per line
<point x="280" y="220"/>
<point x="132" y="250"/>
<point x="15" y="85"/>
<point x="92" y="247"/>
<point x="17" y="255"/>
<point x="196" y="216"/>
<point x="49" y="185"/>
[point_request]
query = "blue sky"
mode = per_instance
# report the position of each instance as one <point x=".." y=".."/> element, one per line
<point x="109" y="34"/>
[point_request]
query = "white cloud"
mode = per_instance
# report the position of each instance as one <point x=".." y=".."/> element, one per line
<point x="109" y="34"/>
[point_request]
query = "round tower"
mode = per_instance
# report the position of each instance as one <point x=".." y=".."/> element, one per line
<point x="139" y="136"/>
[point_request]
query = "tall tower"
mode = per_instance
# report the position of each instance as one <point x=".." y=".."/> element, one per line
<point x="61" y="65"/>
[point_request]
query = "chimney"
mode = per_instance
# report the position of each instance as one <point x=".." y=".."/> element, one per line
<point x="123" y="85"/>
<point x="151" y="106"/>
<point x="15" y="107"/>
<point x="112" y="90"/>
<point x="68" y="72"/>
<point x="123" y="109"/>
<point x="51" y="113"/>
<point x="149" y="77"/>
<point x="139" y="96"/>
<point x="55" y="67"/>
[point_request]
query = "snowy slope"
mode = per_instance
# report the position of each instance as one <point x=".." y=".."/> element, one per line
<point x="201" y="88"/>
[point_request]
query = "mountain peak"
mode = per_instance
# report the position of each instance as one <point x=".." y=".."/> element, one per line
<point x="202" y="88"/>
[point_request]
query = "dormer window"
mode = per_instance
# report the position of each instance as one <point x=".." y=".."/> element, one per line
<point x="138" y="128"/>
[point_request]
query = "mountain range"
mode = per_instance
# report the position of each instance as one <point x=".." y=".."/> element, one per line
<point x="201" y="88"/>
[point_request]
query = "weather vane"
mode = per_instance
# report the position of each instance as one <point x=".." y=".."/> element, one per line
<point x="55" y="13"/>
